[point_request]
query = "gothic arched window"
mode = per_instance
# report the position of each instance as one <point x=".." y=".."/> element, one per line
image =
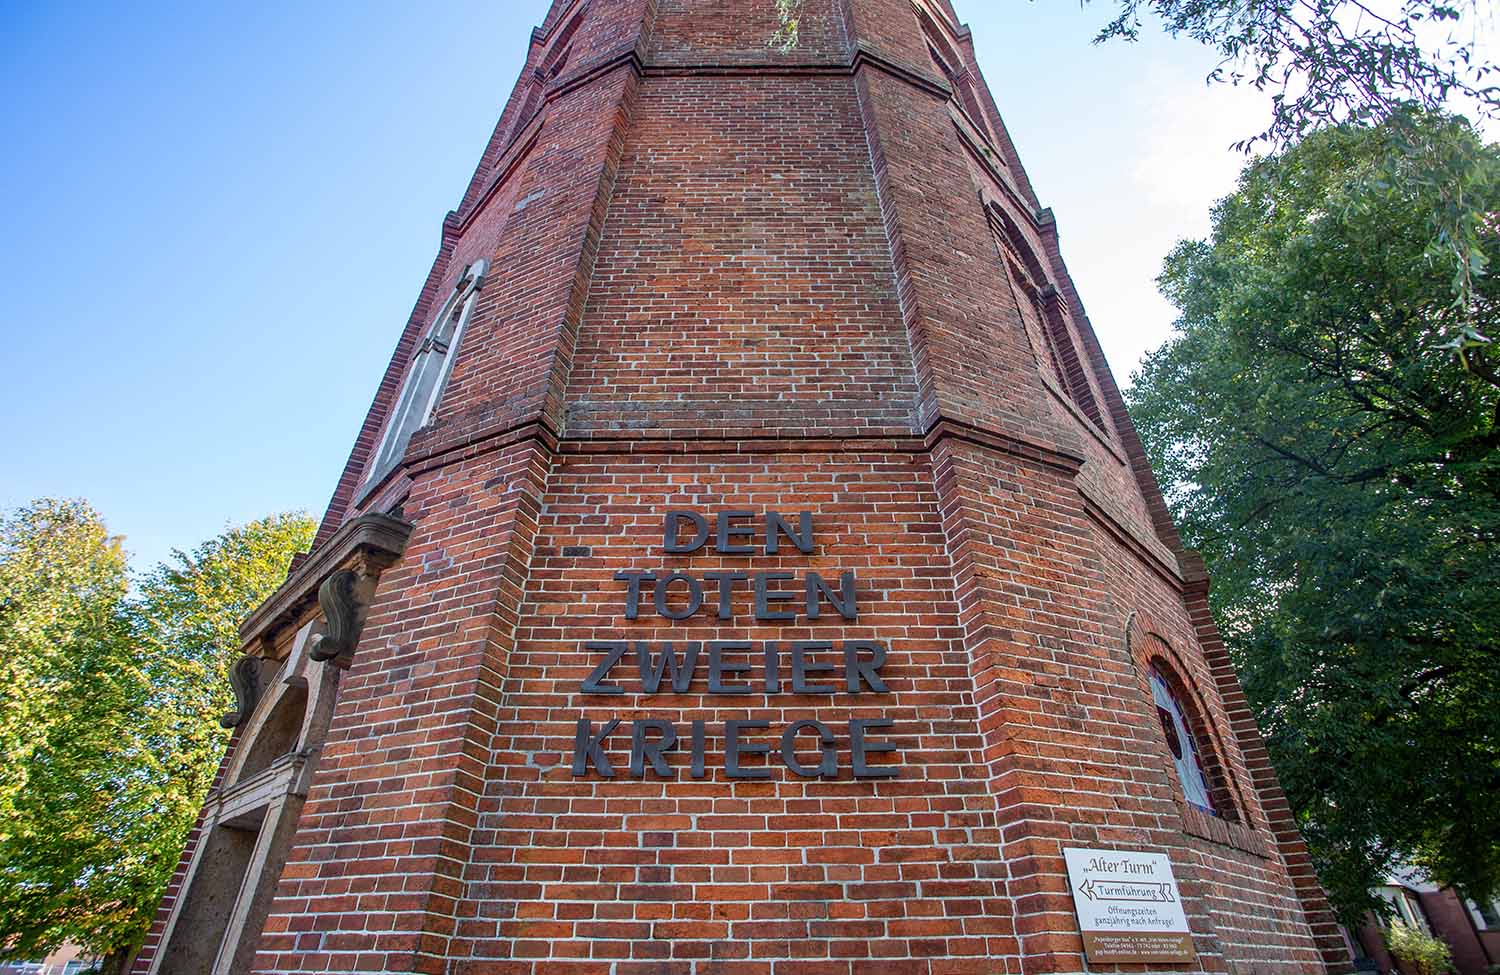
<point x="1181" y="742"/>
<point x="1028" y="297"/>
<point x="428" y="372"/>
<point x="950" y="64"/>
<point x="1040" y="301"/>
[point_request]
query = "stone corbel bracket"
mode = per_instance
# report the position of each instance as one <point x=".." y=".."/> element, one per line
<point x="244" y="677"/>
<point x="341" y="576"/>
<point x="344" y="598"/>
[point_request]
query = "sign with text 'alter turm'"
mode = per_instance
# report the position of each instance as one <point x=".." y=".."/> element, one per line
<point x="1128" y="906"/>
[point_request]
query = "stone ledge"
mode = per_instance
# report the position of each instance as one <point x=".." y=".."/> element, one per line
<point x="378" y="537"/>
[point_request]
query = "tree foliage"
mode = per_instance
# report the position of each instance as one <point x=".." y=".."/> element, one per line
<point x="789" y="22"/>
<point x="108" y="715"/>
<point x="187" y="623"/>
<point x="1418" y="951"/>
<point x="67" y="675"/>
<point x="1343" y="482"/>
<point x="1329" y="62"/>
<point x="1385" y="66"/>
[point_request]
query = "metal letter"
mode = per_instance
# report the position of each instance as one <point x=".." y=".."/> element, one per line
<point x="802" y="537"/>
<point x="860" y="748"/>
<point x="734" y="748"/>
<point x="671" y="541"/>
<point x="844" y="602"/>
<point x="633" y="593"/>
<point x="726" y="581"/>
<point x="854" y="668"/>
<point x="698" y="746"/>
<point x="801" y="667"/>
<point x="641" y="749"/>
<point x="763" y="599"/>
<point x="717" y="668"/>
<point x="828" y="765"/>
<point x="589" y="748"/>
<point x="682" y="675"/>
<point x="591" y="683"/>
<point x="695" y="596"/>
<point x="726" y="530"/>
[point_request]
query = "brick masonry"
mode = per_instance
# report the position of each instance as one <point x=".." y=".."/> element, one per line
<point x="724" y="277"/>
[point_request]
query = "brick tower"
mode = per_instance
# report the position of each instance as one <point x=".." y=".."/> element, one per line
<point x="747" y="566"/>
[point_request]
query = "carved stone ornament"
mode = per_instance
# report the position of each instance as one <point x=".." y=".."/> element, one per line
<point x="336" y="598"/>
<point x="244" y="677"/>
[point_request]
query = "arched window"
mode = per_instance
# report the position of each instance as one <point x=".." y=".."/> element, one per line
<point x="1181" y="742"/>
<point x="1044" y="315"/>
<point x="1028" y="295"/>
<point x="950" y="64"/>
<point x="428" y="372"/>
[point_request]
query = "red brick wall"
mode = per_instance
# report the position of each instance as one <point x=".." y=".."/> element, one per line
<point x="1451" y="921"/>
<point x="674" y="871"/>
<point x="753" y="196"/>
<point x="727" y="277"/>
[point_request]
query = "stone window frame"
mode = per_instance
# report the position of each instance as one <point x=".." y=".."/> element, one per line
<point x="296" y="646"/>
<point x="248" y="822"/>
<point x="427" y="374"/>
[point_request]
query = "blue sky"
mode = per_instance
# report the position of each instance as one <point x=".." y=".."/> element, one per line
<point x="217" y="218"/>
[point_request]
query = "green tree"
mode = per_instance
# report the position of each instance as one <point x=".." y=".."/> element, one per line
<point x="187" y="622"/>
<point x="109" y="715"/>
<point x="1343" y="483"/>
<point x="69" y="686"/>
<point x="1418" y="951"/>
<point x="1383" y="66"/>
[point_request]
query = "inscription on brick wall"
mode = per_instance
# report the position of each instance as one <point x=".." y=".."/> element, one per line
<point x="738" y="667"/>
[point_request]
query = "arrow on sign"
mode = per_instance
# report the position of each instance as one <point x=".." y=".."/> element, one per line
<point x="1126" y="891"/>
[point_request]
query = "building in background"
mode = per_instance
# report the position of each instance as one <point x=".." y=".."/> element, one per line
<point x="67" y="960"/>
<point x="747" y="565"/>
<point x="1470" y="928"/>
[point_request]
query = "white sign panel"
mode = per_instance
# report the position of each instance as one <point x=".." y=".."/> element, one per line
<point x="1128" y="906"/>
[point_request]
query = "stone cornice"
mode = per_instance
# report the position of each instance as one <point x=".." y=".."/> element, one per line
<point x="377" y="537"/>
<point x="603" y="65"/>
<point x="863" y="56"/>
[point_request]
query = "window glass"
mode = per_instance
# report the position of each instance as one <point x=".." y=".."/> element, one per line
<point x="428" y="372"/>
<point x="1405" y="908"/>
<point x="1486" y="914"/>
<point x="1185" y="754"/>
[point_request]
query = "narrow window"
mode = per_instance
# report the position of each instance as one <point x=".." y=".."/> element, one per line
<point x="950" y="65"/>
<point x="1186" y="756"/>
<point x="1029" y="300"/>
<point x="428" y="373"/>
<point x="1045" y="317"/>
